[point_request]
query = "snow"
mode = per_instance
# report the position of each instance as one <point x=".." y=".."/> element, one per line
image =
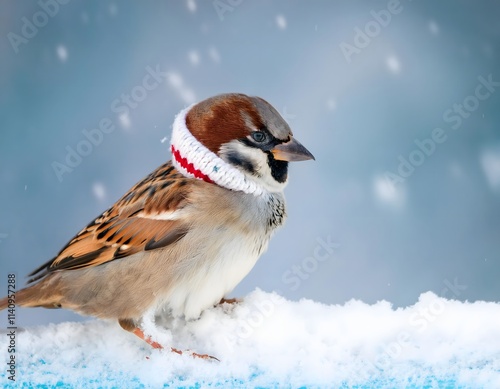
<point x="490" y="162"/>
<point x="214" y="54"/>
<point x="62" y="53"/>
<point x="388" y="193"/>
<point x="194" y="57"/>
<point x="99" y="191"/>
<point x="393" y="64"/>
<point x="125" y="120"/>
<point x="191" y="4"/>
<point x="267" y="341"/>
<point x="176" y="81"/>
<point x="331" y="104"/>
<point x="281" y="22"/>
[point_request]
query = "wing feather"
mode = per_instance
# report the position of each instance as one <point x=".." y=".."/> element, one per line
<point x="134" y="223"/>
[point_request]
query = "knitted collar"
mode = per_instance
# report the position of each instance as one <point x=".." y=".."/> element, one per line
<point x="193" y="159"/>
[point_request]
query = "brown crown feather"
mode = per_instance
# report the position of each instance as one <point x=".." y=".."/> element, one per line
<point x="220" y="119"/>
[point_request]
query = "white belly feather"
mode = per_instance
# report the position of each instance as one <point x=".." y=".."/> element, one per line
<point x="212" y="280"/>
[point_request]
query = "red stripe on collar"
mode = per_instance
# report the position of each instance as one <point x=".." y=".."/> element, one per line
<point x="189" y="166"/>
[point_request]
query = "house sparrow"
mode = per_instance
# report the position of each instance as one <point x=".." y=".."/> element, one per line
<point x="187" y="234"/>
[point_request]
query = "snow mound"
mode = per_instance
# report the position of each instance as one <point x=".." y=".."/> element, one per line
<point x="267" y="341"/>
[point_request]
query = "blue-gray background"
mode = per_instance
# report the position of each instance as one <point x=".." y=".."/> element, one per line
<point x="358" y="115"/>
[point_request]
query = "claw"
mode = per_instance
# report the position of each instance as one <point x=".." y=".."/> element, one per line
<point x="204" y="356"/>
<point x="194" y="355"/>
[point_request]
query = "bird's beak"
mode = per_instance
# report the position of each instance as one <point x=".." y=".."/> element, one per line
<point x="291" y="151"/>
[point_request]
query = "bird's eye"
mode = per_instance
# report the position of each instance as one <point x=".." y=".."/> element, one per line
<point x="259" y="136"/>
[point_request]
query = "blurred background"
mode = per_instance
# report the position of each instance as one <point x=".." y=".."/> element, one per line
<point x="391" y="207"/>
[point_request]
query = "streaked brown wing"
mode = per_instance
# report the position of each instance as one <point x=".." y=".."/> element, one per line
<point x="143" y="219"/>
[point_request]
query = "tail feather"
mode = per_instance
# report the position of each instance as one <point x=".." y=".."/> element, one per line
<point x="21" y="299"/>
<point x="4" y="303"/>
<point x="38" y="295"/>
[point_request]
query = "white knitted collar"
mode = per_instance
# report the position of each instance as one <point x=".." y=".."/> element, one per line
<point x="193" y="159"/>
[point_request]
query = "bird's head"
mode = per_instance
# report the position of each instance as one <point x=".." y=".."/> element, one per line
<point x="236" y="141"/>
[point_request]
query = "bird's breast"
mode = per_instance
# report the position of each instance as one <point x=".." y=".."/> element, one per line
<point x="214" y="273"/>
<point x="222" y="255"/>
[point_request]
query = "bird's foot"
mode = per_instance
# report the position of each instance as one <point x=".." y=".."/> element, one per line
<point x="194" y="355"/>
<point x="230" y="301"/>
<point x="140" y="333"/>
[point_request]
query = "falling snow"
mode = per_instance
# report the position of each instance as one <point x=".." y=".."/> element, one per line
<point x="387" y="193"/>
<point x="191" y="5"/>
<point x="490" y="162"/>
<point x="177" y="83"/>
<point x="194" y="57"/>
<point x="214" y="54"/>
<point x="325" y="99"/>
<point x="99" y="191"/>
<point x="62" y="53"/>
<point x="393" y="64"/>
<point x="331" y="104"/>
<point x="281" y="22"/>
<point x="125" y="120"/>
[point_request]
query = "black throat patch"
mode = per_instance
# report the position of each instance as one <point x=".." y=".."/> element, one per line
<point x="279" y="169"/>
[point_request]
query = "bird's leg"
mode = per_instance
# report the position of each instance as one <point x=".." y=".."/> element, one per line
<point x="140" y="333"/>
<point x="129" y="325"/>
